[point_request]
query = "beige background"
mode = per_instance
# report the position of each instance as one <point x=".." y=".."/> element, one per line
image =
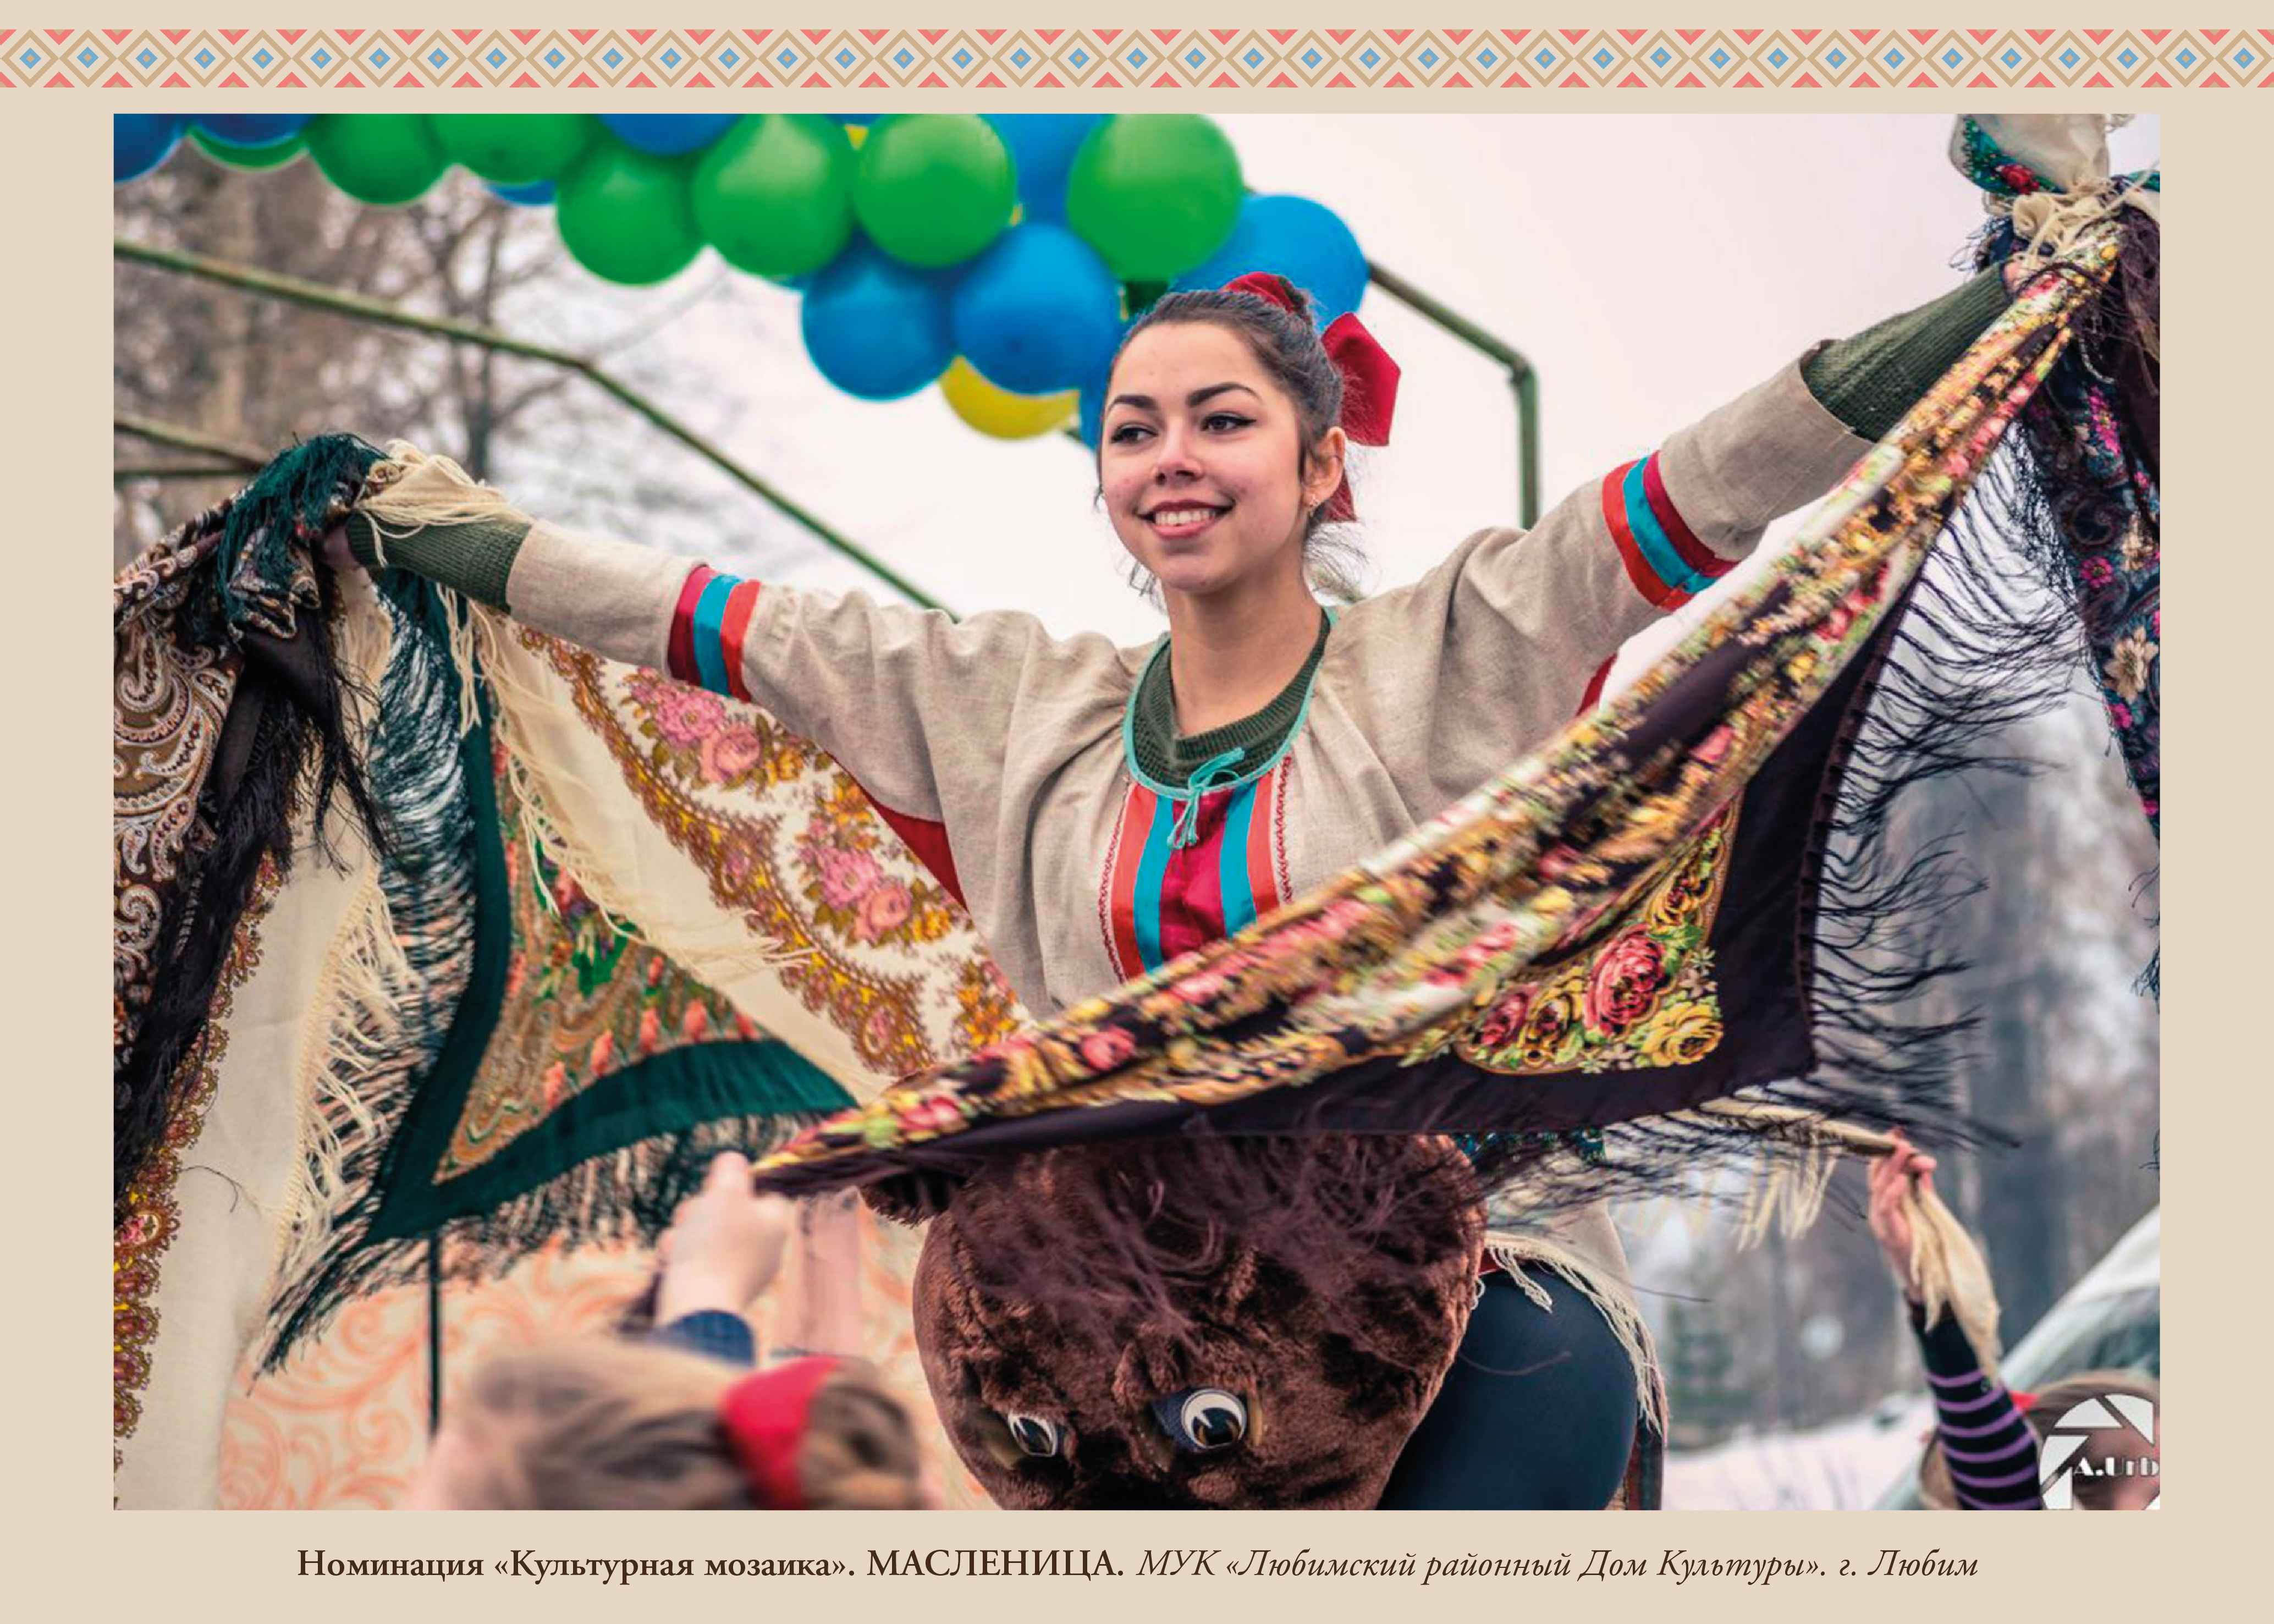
<point x="72" y="1557"/>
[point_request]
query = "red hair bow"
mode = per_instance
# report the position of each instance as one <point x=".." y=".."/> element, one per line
<point x="1369" y="376"/>
<point x="764" y="1418"/>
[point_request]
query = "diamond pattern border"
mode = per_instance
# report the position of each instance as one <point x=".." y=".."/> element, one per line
<point x="1131" y="58"/>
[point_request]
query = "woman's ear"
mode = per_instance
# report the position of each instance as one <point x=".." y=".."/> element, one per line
<point x="1324" y="472"/>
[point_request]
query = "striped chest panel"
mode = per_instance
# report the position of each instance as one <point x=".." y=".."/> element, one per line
<point x="1157" y="900"/>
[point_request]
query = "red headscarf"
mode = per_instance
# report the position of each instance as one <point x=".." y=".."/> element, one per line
<point x="1369" y="376"/>
<point x="765" y="1417"/>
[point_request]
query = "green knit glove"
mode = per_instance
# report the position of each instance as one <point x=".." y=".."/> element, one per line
<point x="473" y="558"/>
<point x="1870" y="380"/>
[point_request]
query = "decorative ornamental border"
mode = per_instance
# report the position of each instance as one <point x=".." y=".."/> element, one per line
<point x="860" y="59"/>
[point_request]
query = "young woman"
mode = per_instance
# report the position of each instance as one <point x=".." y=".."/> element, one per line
<point x="1100" y="810"/>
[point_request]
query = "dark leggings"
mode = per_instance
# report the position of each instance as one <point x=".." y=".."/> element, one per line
<point x="1538" y="1413"/>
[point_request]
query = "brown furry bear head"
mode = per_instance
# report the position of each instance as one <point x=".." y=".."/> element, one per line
<point x="1197" y="1322"/>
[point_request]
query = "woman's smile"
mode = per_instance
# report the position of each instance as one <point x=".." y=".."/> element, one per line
<point x="1183" y="521"/>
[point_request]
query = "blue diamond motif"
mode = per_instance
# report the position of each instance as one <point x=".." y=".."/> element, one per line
<point x="1720" y="58"/>
<point x="146" y="58"/>
<point x="1080" y="59"/>
<point x="1311" y="59"/>
<point x="1602" y="59"/>
<point x="1021" y="59"/>
<point x="732" y="58"/>
<point x="2011" y="59"/>
<point x="1253" y="59"/>
<point x="1951" y="59"/>
<point x="2068" y="57"/>
<point x="961" y="59"/>
<point x="1657" y="56"/>
<point x="610" y="59"/>
<point x="1369" y="59"/>
<point x="671" y="59"/>
<point x="2128" y="58"/>
<point x="1193" y="60"/>
<point x="86" y="58"/>
<point x="435" y="59"/>
<point x="1488" y="59"/>
<point x="1777" y="59"/>
<point x="1838" y="59"/>
<point x="30" y="59"/>
<point x="844" y="59"/>
<point x="2186" y="59"/>
<point x="902" y="58"/>
<point x="1428" y="59"/>
<point x="496" y="59"/>
<point x="1138" y="59"/>
<point x="380" y="59"/>
<point x="1893" y="59"/>
<point x="786" y="59"/>
<point x="2244" y="58"/>
<point x="322" y="58"/>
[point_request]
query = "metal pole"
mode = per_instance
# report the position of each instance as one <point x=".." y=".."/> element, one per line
<point x="125" y="473"/>
<point x="1521" y="377"/>
<point x="246" y="459"/>
<point x="316" y="296"/>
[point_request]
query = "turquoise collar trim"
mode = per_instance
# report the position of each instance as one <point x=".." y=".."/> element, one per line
<point x="1179" y="792"/>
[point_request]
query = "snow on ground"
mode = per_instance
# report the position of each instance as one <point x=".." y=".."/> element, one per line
<point x="1845" y="1466"/>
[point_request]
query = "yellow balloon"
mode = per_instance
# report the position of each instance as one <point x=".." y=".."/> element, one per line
<point x="999" y="412"/>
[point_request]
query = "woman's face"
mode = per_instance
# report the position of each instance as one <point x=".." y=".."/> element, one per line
<point x="1199" y="458"/>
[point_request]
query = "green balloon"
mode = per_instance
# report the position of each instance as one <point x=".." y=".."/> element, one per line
<point x="626" y="215"/>
<point x="383" y="158"/>
<point x="229" y="154"/>
<point x="934" y="189"/>
<point x="1155" y="193"/>
<point x="514" y="149"/>
<point x="774" y="194"/>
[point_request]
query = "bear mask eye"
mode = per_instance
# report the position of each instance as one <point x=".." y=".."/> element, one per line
<point x="1036" y="1435"/>
<point x="1203" y="1420"/>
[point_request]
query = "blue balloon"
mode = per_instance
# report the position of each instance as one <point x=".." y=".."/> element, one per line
<point x="1092" y="414"/>
<point x="140" y="142"/>
<point x="669" y="134"/>
<point x="253" y="129"/>
<point x="536" y="194"/>
<point x="1038" y="311"/>
<point x="1303" y="241"/>
<point x="876" y="328"/>
<point x="1042" y="146"/>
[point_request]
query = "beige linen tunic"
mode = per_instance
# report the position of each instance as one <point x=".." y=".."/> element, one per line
<point x="1014" y="740"/>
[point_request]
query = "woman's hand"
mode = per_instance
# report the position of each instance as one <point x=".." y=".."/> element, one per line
<point x="1891" y="1176"/>
<point x="724" y="1246"/>
<point x="336" y="552"/>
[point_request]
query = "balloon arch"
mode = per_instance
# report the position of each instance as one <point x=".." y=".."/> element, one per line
<point x="1000" y="257"/>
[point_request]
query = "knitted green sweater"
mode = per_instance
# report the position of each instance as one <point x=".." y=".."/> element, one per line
<point x="1867" y="381"/>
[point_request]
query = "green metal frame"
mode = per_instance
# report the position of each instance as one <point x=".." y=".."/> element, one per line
<point x="268" y="285"/>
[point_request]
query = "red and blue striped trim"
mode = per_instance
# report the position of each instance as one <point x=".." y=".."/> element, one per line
<point x="707" y="627"/>
<point x="1664" y="559"/>
<point x="1161" y="900"/>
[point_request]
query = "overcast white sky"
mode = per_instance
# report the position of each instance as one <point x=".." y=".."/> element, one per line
<point x="1650" y="266"/>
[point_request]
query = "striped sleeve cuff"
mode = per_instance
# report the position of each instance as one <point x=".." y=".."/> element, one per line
<point x="708" y="624"/>
<point x="1664" y="559"/>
